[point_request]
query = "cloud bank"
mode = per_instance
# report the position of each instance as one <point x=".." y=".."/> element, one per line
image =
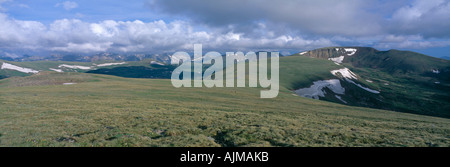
<point x="235" y="25"/>
<point x="133" y="36"/>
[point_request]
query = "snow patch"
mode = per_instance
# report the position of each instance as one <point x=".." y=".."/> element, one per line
<point x="17" y="68"/>
<point x="369" y="81"/>
<point x="303" y="53"/>
<point x="57" y="70"/>
<point x="351" y="50"/>
<point x="362" y="87"/>
<point x="69" y="83"/>
<point x="337" y="49"/>
<point x="340" y="98"/>
<point x="436" y="71"/>
<point x="348" y="76"/>
<point x="74" y="67"/>
<point x="157" y="63"/>
<point x="337" y="60"/>
<point x="317" y="89"/>
<point x="110" y="64"/>
<point x="345" y="72"/>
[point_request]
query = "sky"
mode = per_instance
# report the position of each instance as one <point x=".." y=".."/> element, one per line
<point x="167" y="26"/>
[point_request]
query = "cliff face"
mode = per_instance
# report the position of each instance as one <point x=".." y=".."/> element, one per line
<point x="333" y="52"/>
<point x="323" y="53"/>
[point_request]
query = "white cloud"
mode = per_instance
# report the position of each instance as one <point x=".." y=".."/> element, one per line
<point x="348" y="20"/>
<point x="292" y="25"/>
<point x="84" y="47"/>
<point x="430" y="18"/>
<point x="73" y="35"/>
<point x="67" y="5"/>
<point x="107" y="28"/>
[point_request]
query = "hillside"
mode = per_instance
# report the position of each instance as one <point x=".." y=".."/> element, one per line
<point x="390" y="80"/>
<point x="391" y="61"/>
<point x="406" y="81"/>
<point x="141" y="112"/>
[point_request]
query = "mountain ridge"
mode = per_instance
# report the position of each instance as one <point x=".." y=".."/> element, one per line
<point x="407" y="81"/>
<point x="369" y="57"/>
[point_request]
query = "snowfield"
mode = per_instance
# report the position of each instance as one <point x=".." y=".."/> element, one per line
<point x="317" y="89"/>
<point x="110" y="64"/>
<point x="362" y="87"/>
<point x="157" y="63"/>
<point x="303" y="53"/>
<point x="345" y="72"/>
<point x="57" y="70"/>
<point x="337" y="60"/>
<point x="351" y="50"/>
<point x="348" y="76"/>
<point x="340" y="98"/>
<point x="17" y="68"/>
<point x="75" y="67"/>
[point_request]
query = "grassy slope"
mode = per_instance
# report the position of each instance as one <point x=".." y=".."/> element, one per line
<point x="398" y="62"/>
<point x="413" y="94"/>
<point x="112" y="111"/>
<point x="403" y="94"/>
<point x="300" y="71"/>
<point x="411" y="83"/>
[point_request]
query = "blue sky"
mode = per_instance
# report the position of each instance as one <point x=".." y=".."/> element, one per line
<point x="88" y="10"/>
<point x="157" y="26"/>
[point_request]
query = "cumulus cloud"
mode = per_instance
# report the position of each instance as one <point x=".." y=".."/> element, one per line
<point x="73" y="35"/>
<point x="14" y="33"/>
<point x="67" y="5"/>
<point x="234" y="25"/>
